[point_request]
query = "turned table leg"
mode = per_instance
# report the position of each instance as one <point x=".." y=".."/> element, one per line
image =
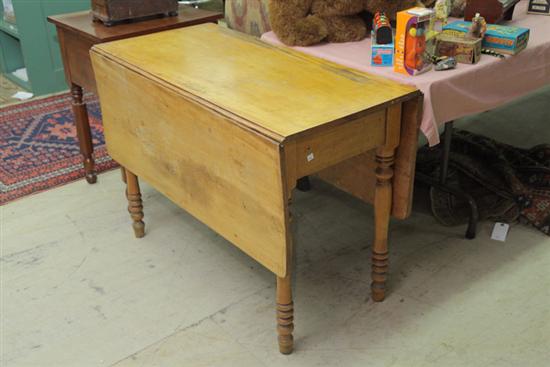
<point x="83" y="132"/>
<point x="135" y="205"/>
<point x="285" y="305"/>
<point x="285" y="315"/>
<point x="382" y="205"/>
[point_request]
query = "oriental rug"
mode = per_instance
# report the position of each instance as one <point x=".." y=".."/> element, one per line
<point x="39" y="149"/>
<point x="509" y="184"/>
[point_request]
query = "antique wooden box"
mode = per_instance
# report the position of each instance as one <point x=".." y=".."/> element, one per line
<point x="494" y="11"/>
<point x="112" y="11"/>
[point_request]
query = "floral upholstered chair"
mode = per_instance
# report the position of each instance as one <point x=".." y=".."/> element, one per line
<point x="248" y="16"/>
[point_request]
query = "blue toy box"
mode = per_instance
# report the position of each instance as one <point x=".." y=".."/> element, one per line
<point x="504" y="39"/>
<point x="382" y="55"/>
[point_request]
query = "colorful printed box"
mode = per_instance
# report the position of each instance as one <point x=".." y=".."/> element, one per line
<point x="382" y="55"/>
<point x="504" y="39"/>
<point x="412" y="41"/>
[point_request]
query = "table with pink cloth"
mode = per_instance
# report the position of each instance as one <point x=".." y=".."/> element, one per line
<point x="469" y="89"/>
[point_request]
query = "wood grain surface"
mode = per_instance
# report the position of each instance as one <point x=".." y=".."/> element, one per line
<point x="243" y="125"/>
<point x="228" y="177"/>
<point x="356" y="175"/>
<point x="276" y="91"/>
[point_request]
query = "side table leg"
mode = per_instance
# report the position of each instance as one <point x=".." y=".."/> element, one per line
<point x="382" y="206"/>
<point x="83" y="132"/>
<point x="285" y="315"/>
<point x="135" y="205"/>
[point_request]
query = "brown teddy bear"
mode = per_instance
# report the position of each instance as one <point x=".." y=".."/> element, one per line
<point x="307" y="22"/>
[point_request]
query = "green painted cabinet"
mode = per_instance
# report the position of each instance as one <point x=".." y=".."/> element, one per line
<point x="32" y="43"/>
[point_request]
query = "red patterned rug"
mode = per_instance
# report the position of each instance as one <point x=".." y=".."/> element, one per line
<point x="38" y="146"/>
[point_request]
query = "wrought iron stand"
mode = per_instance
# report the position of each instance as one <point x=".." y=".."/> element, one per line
<point x="443" y="185"/>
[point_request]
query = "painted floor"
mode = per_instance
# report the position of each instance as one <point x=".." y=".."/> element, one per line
<point x="79" y="290"/>
<point x="7" y="90"/>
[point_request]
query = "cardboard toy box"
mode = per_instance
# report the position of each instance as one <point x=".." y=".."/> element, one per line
<point x="464" y="50"/>
<point x="382" y="55"/>
<point x="504" y="39"/>
<point x="411" y="41"/>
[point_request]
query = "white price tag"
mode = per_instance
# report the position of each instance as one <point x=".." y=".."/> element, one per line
<point x="500" y="231"/>
<point x="310" y="157"/>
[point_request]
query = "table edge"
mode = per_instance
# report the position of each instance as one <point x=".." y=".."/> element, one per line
<point x="57" y="21"/>
<point x="244" y="122"/>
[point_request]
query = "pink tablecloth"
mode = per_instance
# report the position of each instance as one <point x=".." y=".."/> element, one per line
<point x="469" y="89"/>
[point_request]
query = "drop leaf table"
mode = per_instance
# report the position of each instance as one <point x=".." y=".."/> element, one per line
<point x="224" y="125"/>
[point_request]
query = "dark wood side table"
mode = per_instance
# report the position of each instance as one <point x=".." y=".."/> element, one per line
<point x="77" y="33"/>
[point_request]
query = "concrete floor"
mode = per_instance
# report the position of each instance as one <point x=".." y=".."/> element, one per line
<point x="79" y="290"/>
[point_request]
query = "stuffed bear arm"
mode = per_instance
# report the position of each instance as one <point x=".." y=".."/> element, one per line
<point x="291" y="21"/>
<point x="338" y="7"/>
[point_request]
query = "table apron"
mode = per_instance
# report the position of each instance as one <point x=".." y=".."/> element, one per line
<point x="76" y="58"/>
<point x="315" y="152"/>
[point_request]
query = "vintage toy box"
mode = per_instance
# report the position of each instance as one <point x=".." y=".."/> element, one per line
<point x="464" y="50"/>
<point x="539" y="7"/>
<point x="111" y="12"/>
<point x="382" y="55"/>
<point x="411" y="41"/>
<point x="504" y="39"/>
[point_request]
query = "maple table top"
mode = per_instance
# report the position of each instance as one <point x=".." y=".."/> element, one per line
<point x="276" y="91"/>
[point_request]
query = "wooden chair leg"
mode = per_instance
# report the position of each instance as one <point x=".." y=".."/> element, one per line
<point x="285" y="315"/>
<point x="383" y="205"/>
<point x="135" y="205"/>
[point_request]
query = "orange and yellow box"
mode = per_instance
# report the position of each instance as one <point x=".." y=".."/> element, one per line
<point x="411" y="41"/>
